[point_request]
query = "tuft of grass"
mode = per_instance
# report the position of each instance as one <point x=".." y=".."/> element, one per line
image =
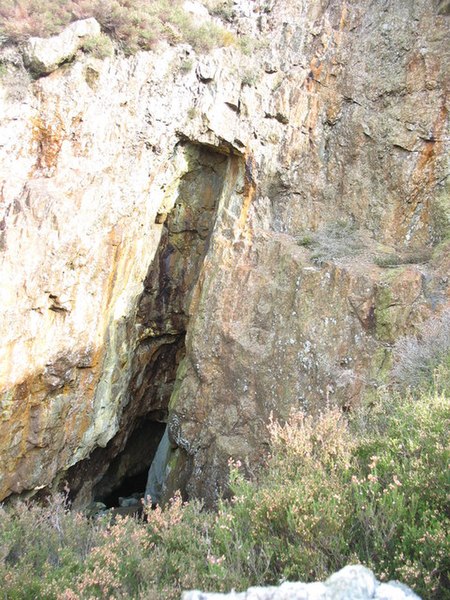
<point x="186" y="65"/>
<point x="224" y="9"/>
<point x="100" y="46"/>
<point x="412" y="257"/>
<point x="191" y="113"/>
<point x="249" y="77"/>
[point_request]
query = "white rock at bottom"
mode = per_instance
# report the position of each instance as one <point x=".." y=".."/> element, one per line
<point x="353" y="582"/>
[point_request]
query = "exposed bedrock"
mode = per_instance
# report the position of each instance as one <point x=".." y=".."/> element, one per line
<point x="202" y="241"/>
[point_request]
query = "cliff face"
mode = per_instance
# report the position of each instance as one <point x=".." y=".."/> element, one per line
<point x="197" y="240"/>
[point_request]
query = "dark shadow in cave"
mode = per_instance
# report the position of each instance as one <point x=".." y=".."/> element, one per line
<point x="127" y="473"/>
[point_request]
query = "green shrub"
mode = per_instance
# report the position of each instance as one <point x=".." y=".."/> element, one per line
<point x="99" y="46"/>
<point x="249" y="77"/>
<point x="330" y="496"/>
<point x="400" y="493"/>
<point x="186" y="65"/>
<point x="220" y="8"/>
<point x="42" y="548"/>
<point x="20" y="20"/>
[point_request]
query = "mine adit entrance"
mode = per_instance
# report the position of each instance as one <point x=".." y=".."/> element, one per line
<point x="162" y="319"/>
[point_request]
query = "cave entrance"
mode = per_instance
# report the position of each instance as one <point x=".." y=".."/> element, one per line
<point x="127" y="473"/>
<point x="162" y="320"/>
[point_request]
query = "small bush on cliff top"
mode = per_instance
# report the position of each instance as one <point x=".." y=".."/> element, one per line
<point x="99" y="46"/>
<point x="133" y="24"/>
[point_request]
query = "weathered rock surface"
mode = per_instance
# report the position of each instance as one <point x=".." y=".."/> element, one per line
<point x="156" y="213"/>
<point x="353" y="582"/>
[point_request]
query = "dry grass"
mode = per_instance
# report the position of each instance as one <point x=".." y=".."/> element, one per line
<point x="418" y="356"/>
<point x="339" y="239"/>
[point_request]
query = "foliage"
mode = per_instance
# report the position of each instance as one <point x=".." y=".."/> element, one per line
<point x="133" y="24"/>
<point x="20" y="20"/>
<point x="372" y="489"/>
<point x="400" y="493"/>
<point x="186" y="65"/>
<point x="220" y="8"/>
<point x="39" y="545"/>
<point x="292" y="531"/>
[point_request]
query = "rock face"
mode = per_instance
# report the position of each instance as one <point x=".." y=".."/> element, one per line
<point x="353" y="582"/>
<point x="196" y="239"/>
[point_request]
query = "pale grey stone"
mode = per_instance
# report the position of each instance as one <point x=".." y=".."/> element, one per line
<point x="129" y="501"/>
<point x="353" y="582"/>
<point x="394" y="590"/>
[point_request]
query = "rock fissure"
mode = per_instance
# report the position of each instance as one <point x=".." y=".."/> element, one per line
<point x="162" y="322"/>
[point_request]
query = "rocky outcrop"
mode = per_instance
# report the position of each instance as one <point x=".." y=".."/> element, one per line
<point x="201" y="240"/>
<point x="353" y="582"/>
<point x="42" y="56"/>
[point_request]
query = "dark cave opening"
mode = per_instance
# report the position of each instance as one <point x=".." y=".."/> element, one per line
<point x="127" y="473"/>
<point x="133" y="486"/>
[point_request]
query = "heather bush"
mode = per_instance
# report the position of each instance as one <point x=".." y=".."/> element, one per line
<point x="371" y="489"/>
<point x="400" y="493"/>
<point x="20" y="20"/>
<point x="305" y="518"/>
<point x="42" y="546"/>
<point x="99" y="46"/>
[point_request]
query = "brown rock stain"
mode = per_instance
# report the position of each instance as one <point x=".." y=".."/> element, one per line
<point x="48" y="135"/>
<point x="29" y="433"/>
<point x="423" y="181"/>
<point x="415" y="73"/>
<point x="248" y="193"/>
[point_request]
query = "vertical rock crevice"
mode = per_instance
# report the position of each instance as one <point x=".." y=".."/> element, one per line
<point x="161" y="322"/>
